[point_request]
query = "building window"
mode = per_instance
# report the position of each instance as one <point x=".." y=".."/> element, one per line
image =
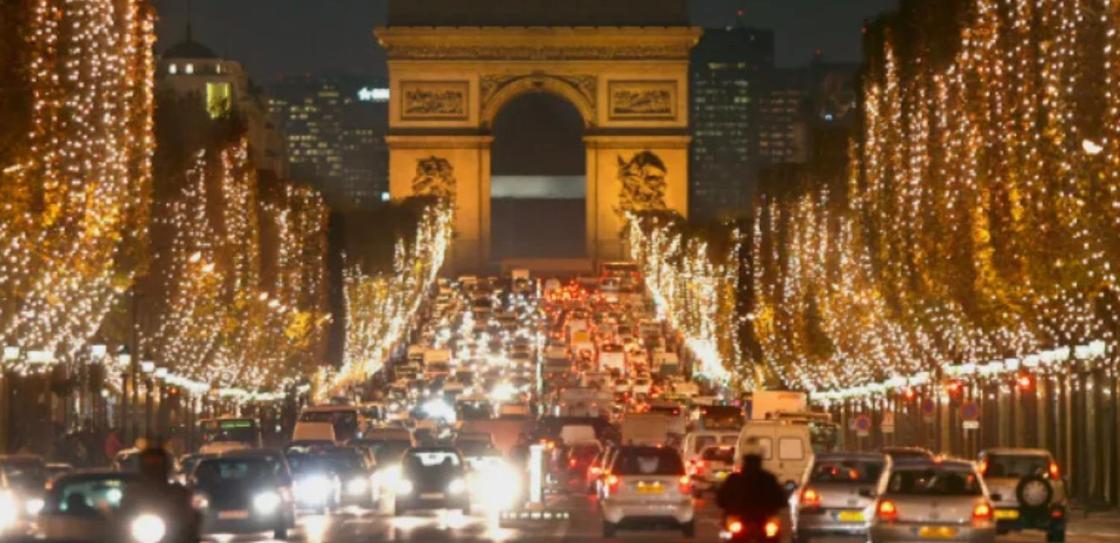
<point x="172" y="69"/>
<point x="189" y="69"/>
<point x="218" y="99"/>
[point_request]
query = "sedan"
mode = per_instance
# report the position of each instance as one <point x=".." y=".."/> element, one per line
<point x="430" y="478"/>
<point x="242" y="493"/>
<point x="833" y="496"/>
<point x="919" y="499"/>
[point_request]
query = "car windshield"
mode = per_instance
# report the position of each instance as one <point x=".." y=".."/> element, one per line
<point x="422" y="460"/>
<point x="229" y="471"/>
<point x="305" y="463"/>
<point x="388" y="452"/>
<point x="719" y="454"/>
<point x="1016" y="466"/>
<point x="27" y="473"/>
<point x="473" y="447"/>
<point x="648" y="461"/>
<point x="345" y="460"/>
<point x="846" y="471"/>
<point x="934" y="482"/>
<point x="84" y="496"/>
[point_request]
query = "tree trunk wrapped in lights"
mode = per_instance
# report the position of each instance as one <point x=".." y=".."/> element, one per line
<point x="76" y="189"/>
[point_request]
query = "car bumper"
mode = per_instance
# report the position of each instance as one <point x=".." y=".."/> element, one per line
<point x="1010" y="519"/>
<point x="912" y="533"/>
<point x="616" y="510"/>
<point x="827" y="522"/>
<point x="431" y="502"/>
<point x="213" y="524"/>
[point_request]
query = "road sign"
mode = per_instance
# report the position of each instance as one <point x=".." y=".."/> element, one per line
<point x="887" y="424"/>
<point x="863" y="426"/>
<point x="929" y="409"/>
<point x="970" y="411"/>
<point x="971" y="425"/>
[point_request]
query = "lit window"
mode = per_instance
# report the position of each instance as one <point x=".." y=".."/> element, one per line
<point x="218" y="68"/>
<point x="218" y="102"/>
<point x="189" y="68"/>
<point x="172" y="69"/>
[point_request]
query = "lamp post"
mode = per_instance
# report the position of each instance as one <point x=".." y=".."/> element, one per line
<point x="128" y="383"/>
<point x="11" y="356"/>
<point x="93" y="389"/>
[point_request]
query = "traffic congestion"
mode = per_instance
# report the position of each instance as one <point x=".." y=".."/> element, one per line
<point x="530" y="409"/>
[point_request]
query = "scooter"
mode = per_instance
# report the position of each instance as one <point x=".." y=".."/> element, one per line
<point x="740" y="530"/>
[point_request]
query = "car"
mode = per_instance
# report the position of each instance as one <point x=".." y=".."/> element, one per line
<point x="923" y="499"/>
<point x="79" y="506"/>
<point x="646" y="487"/>
<point x="243" y="493"/>
<point x="27" y="478"/>
<point x="832" y="498"/>
<point x="897" y="453"/>
<point x="1028" y="490"/>
<point x="316" y="485"/>
<point x="55" y="469"/>
<point x="712" y="468"/>
<point x="579" y="459"/>
<point x="354" y="470"/>
<point x="695" y="442"/>
<point x="430" y="478"/>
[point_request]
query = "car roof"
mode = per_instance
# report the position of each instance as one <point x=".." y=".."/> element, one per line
<point x="849" y="456"/>
<point x="935" y="463"/>
<point x="96" y="473"/>
<point x="1012" y="451"/>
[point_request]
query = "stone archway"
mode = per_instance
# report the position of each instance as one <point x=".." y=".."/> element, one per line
<point x="629" y="84"/>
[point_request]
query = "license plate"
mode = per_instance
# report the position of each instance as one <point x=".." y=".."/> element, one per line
<point x="432" y="496"/>
<point x="655" y="488"/>
<point x="937" y="532"/>
<point x="233" y="515"/>
<point x="1007" y="514"/>
<point x="850" y="516"/>
<point x="721" y="475"/>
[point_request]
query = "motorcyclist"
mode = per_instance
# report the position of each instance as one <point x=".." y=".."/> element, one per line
<point x="753" y="494"/>
<point x="152" y="504"/>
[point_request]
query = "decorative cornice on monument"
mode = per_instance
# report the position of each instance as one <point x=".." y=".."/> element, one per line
<point x="537" y="43"/>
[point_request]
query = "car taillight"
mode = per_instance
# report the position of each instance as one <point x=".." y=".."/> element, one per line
<point x="982" y="512"/>
<point x="572" y="463"/>
<point x="1055" y="471"/>
<point x="684" y="484"/>
<point x="886" y="511"/>
<point x="612" y="483"/>
<point x="984" y="467"/>
<point x="771" y="529"/>
<point x="595" y="470"/>
<point x="810" y="498"/>
<point x="734" y="525"/>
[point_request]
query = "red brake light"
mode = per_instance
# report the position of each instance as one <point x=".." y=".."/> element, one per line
<point x="771" y="529"/>
<point x="612" y="482"/>
<point x="1055" y="471"/>
<point x="887" y="511"/>
<point x="734" y="525"/>
<point x="685" y="484"/>
<point x="984" y="467"/>
<point x="982" y="512"/>
<point x="810" y="498"/>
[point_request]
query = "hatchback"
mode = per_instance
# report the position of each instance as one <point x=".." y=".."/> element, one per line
<point x="243" y="493"/>
<point x="919" y="500"/>
<point x="647" y="487"/>
<point x="833" y="495"/>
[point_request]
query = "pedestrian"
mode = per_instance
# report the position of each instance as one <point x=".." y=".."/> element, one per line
<point x="112" y="445"/>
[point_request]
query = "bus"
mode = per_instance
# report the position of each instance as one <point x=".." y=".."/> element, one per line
<point x="229" y="434"/>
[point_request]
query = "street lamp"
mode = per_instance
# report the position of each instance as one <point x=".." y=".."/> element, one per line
<point x="1091" y="148"/>
<point x="148" y="367"/>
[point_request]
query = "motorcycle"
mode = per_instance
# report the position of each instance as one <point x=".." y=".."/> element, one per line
<point x="740" y="530"/>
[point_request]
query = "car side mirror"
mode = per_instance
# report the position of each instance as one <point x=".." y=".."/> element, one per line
<point x="996" y="497"/>
<point x="866" y="493"/>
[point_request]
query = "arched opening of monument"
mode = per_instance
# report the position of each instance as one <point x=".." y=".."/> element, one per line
<point x="538" y="185"/>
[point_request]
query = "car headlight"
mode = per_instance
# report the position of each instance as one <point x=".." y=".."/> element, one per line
<point x="457" y="486"/>
<point x="7" y="509"/>
<point x="200" y="501"/>
<point x="33" y="506"/>
<point x="147" y="528"/>
<point x="266" y="503"/>
<point x="404" y="487"/>
<point x="357" y="486"/>
<point x="315" y="489"/>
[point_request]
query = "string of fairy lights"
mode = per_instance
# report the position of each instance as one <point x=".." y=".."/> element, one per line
<point x="974" y="238"/>
<point x="381" y="307"/>
<point x="75" y="206"/>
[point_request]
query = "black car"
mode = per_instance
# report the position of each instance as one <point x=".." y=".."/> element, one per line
<point x="27" y="476"/>
<point x="354" y="472"/>
<point x="243" y="493"/>
<point x="432" y="478"/>
<point x="316" y="485"/>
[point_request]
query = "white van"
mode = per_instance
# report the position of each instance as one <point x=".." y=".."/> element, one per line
<point x="696" y="442"/>
<point x="786" y="448"/>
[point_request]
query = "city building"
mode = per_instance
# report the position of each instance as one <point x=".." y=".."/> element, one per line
<point x="190" y="69"/>
<point x="728" y="69"/>
<point x="334" y="129"/>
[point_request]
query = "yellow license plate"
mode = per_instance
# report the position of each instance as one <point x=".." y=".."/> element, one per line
<point x="1007" y="514"/>
<point x="721" y="475"/>
<point x="937" y="532"/>
<point x="650" y="489"/>
<point x="850" y="516"/>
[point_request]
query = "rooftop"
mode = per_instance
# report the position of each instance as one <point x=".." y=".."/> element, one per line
<point x="538" y="13"/>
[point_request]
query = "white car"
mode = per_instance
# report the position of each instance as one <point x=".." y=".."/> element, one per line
<point x="647" y="487"/>
<point x="642" y="385"/>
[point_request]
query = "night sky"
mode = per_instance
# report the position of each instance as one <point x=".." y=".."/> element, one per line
<point x="277" y="37"/>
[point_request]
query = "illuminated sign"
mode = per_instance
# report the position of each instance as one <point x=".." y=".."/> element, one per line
<point x="371" y="94"/>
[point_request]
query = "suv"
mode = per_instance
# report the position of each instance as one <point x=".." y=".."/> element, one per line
<point x="1028" y="491"/>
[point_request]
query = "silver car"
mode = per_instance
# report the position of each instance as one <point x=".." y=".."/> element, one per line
<point x="1028" y="491"/>
<point x="922" y="500"/>
<point x="833" y="497"/>
<point x="646" y="487"/>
